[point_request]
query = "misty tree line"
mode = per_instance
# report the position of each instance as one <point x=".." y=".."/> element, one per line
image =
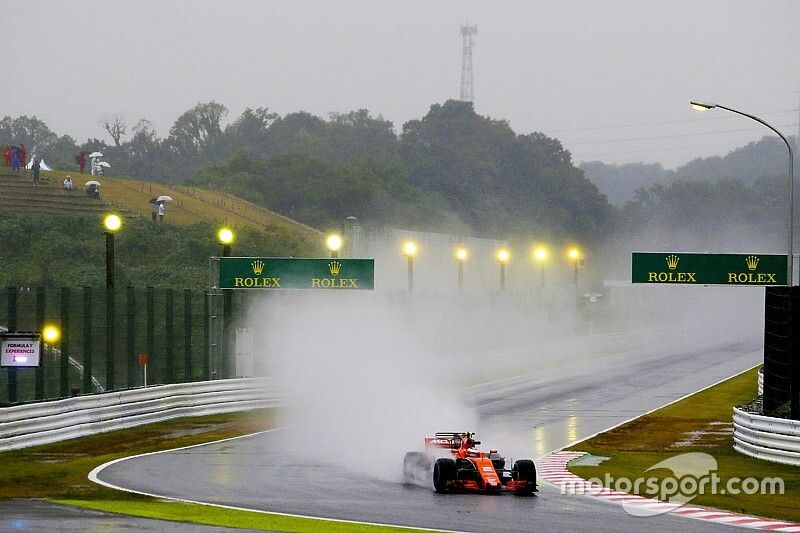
<point x="451" y="170"/>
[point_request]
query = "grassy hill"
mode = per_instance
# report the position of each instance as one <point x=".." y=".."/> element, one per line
<point x="190" y="205"/>
<point x="52" y="237"/>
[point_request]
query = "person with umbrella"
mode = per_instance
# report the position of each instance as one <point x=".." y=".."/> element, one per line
<point x="161" y="201"/>
<point x="94" y="158"/>
<point x="93" y="189"/>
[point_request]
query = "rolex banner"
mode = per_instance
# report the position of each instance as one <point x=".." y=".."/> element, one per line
<point x="709" y="269"/>
<point x="289" y="273"/>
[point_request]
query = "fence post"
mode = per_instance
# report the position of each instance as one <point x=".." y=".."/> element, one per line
<point x="87" y="340"/>
<point x="130" y="348"/>
<point x="150" y="304"/>
<point x="207" y="332"/>
<point x="188" y="370"/>
<point x="110" y="335"/>
<point x="40" y="308"/>
<point x="12" y="326"/>
<point x="169" y="333"/>
<point x="63" y="388"/>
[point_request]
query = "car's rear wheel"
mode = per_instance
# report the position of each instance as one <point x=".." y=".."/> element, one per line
<point x="416" y="467"/>
<point x="444" y="471"/>
<point x="525" y="470"/>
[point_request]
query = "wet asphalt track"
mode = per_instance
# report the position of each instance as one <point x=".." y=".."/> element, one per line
<point x="560" y="406"/>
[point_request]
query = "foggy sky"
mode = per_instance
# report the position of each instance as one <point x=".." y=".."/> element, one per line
<point x="612" y="80"/>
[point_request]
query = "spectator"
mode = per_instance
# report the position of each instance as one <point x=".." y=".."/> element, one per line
<point x="35" y="168"/>
<point x="7" y="155"/>
<point x="153" y="209"/>
<point x="23" y="155"/>
<point x="68" y="183"/>
<point x="80" y="159"/>
<point x="161" y="210"/>
<point x="93" y="191"/>
<point x="15" y="159"/>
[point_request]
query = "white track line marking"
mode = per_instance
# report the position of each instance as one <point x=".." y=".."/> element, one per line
<point x="94" y="477"/>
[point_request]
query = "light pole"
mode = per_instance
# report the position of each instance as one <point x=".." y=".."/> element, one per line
<point x="794" y="394"/>
<point x="333" y="243"/>
<point x="704" y="106"/>
<point x="410" y="250"/>
<point x="461" y="256"/>
<point x="225" y="236"/>
<point x="503" y="256"/>
<point x="540" y="255"/>
<point x="112" y="223"/>
<point x="574" y="253"/>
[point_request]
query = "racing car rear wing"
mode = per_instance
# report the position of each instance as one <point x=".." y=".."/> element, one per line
<point x="447" y="440"/>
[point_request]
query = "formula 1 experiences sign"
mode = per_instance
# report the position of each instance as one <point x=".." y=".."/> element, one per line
<point x="20" y="349"/>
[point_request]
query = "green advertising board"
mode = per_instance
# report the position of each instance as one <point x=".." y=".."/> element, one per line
<point x="709" y="269"/>
<point x="291" y="273"/>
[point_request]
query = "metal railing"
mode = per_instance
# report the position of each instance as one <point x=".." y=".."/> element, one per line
<point x="765" y="437"/>
<point x="46" y="422"/>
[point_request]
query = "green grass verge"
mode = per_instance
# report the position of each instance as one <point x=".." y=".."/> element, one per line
<point x="699" y="423"/>
<point x="58" y="472"/>
<point x="217" y="516"/>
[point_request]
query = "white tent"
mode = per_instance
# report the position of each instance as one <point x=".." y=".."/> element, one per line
<point x="42" y="165"/>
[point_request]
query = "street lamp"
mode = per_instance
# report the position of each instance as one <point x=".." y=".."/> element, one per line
<point x="112" y="223"/>
<point x="461" y="256"/>
<point x="704" y="106"/>
<point x="794" y="394"/>
<point x="51" y="334"/>
<point x="225" y="236"/>
<point x="502" y="256"/>
<point x="334" y="244"/>
<point x="540" y="254"/>
<point x="410" y="250"/>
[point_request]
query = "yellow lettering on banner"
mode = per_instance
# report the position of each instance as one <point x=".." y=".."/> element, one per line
<point x="315" y="282"/>
<point x="237" y="282"/>
<point x="652" y="276"/>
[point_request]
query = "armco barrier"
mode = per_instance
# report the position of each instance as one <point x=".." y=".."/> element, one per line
<point x="766" y="437"/>
<point x="41" y="423"/>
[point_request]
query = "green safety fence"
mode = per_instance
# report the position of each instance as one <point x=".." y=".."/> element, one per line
<point x="103" y="334"/>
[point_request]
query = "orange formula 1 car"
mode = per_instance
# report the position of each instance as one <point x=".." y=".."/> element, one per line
<point x="457" y="466"/>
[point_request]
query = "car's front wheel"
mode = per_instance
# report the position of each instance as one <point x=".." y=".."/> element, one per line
<point x="525" y="470"/>
<point x="444" y="471"/>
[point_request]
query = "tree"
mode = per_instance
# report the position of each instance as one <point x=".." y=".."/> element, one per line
<point x="30" y="131"/>
<point x="197" y="128"/>
<point x="115" y="127"/>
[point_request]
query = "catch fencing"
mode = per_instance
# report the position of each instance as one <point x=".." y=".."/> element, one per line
<point x="103" y="333"/>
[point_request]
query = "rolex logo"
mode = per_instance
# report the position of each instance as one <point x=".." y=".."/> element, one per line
<point x="672" y="261"/>
<point x="335" y="267"/>
<point x="752" y="262"/>
<point x="258" y="267"/>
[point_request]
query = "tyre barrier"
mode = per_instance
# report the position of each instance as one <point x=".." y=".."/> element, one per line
<point x="765" y="437"/>
<point x="761" y="381"/>
<point x="46" y="422"/>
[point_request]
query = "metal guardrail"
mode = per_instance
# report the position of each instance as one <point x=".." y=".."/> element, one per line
<point x="42" y="423"/>
<point x="766" y="437"/>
